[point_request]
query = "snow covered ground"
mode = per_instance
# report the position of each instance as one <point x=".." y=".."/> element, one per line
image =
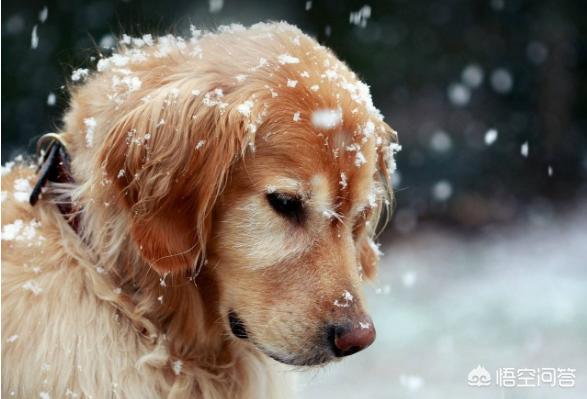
<point x="446" y="302"/>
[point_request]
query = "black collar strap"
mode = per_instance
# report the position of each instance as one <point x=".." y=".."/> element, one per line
<point x="55" y="167"/>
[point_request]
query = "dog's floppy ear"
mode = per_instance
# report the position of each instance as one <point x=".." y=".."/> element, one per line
<point x="168" y="160"/>
<point x="368" y="250"/>
<point x="368" y="257"/>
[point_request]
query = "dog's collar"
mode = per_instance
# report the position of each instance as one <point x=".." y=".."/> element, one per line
<point x="55" y="167"/>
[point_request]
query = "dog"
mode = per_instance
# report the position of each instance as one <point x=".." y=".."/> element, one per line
<point x="216" y="220"/>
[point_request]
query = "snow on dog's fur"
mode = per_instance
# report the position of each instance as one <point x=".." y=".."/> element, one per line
<point x="196" y="154"/>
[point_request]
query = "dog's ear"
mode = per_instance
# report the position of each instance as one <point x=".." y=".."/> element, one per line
<point x="369" y="257"/>
<point x="368" y="251"/>
<point x="168" y="160"/>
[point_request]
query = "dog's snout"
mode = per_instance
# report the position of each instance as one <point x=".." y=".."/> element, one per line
<point x="346" y="339"/>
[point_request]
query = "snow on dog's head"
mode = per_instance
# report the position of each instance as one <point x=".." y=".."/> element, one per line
<point x="278" y="258"/>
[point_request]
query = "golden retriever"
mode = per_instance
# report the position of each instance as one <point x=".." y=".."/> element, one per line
<point x="226" y="188"/>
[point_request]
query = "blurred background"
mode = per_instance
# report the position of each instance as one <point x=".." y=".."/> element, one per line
<point x="486" y="257"/>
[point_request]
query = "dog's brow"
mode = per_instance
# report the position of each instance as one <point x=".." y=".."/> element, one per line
<point x="284" y="184"/>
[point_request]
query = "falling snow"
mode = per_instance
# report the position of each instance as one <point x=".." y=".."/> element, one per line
<point x="524" y="149"/>
<point x="43" y="14"/>
<point x="409" y="279"/>
<point x="412" y="383"/>
<point x="51" y="99"/>
<point x="440" y="141"/>
<point x="491" y="136"/>
<point x="34" y="38"/>
<point x="385" y="290"/>
<point x="502" y="80"/>
<point x="215" y="6"/>
<point x="361" y="16"/>
<point x="442" y="190"/>
<point x="459" y="94"/>
<point x="537" y="52"/>
<point x="472" y="75"/>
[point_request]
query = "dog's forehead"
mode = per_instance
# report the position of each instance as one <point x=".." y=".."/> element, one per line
<point x="307" y="114"/>
<point x="335" y="169"/>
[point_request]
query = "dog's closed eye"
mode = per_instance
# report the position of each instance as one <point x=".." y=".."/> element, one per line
<point x="288" y="206"/>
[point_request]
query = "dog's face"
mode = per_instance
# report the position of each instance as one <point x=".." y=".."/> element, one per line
<point x="273" y="181"/>
<point x="291" y="245"/>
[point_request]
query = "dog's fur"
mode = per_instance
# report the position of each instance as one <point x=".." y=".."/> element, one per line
<point x="172" y="180"/>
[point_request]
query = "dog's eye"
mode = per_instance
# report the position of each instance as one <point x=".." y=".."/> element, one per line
<point x="288" y="206"/>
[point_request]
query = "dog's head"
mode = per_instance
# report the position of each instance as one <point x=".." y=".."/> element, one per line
<point x="257" y="155"/>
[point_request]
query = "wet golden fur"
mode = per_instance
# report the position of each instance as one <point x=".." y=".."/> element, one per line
<point x="168" y="186"/>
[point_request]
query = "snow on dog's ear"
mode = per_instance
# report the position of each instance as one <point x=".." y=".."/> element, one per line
<point x="169" y="159"/>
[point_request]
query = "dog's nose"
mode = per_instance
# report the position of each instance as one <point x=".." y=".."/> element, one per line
<point x="350" y="338"/>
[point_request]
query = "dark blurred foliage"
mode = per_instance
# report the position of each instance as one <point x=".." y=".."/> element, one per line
<point x="442" y="72"/>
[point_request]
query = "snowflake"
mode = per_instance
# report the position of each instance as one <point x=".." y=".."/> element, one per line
<point x="33" y="286"/>
<point x="90" y="124"/>
<point x="326" y="118"/>
<point x="287" y="59"/>
<point x="176" y="366"/>
<point x="245" y="108"/>
<point x="80" y="74"/>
